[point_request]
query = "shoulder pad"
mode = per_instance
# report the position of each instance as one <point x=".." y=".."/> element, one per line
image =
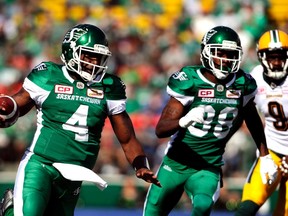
<point x="114" y="87"/>
<point x="183" y="80"/>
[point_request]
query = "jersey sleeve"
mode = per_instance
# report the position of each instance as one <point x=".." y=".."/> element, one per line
<point x="115" y="88"/>
<point x="36" y="82"/>
<point x="250" y="88"/>
<point x="41" y="74"/>
<point x="180" y="86"/>
<point x="115" y="91"/>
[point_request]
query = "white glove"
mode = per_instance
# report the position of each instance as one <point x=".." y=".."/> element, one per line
<point x="268" y="169"/>
<point x="194" y="115"/>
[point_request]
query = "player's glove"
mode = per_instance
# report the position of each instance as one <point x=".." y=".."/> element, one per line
<point x="194" y="115"/>
<point x="284" y="166"/>
<point x="268" y="169"/>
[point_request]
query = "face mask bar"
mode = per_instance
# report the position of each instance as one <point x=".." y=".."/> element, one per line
<point x="98" y="70"/>
<point x="228" y="61"/>
<point x="271" y="70"/>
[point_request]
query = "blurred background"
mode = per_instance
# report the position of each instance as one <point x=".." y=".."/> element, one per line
<point x="149" y="40"/>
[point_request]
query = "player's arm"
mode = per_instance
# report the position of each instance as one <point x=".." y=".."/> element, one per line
<point x="168" y="123"/>
<point x="24" y="104"/>
<point x="174" y="117"/>
<point x="255" y="126"/>
<point x="268" y="169"/>
<point x="133" y="150"/>
<point x="24" y="101"/>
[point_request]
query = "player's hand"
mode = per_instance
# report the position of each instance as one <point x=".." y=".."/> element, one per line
<point x="148" y="176"/>
<point x="284" y="166"/>
<point x="194" y="115"/>
<point x="268" y="169"/>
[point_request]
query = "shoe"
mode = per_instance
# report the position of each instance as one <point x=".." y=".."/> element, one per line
<point x="6" y="202"/>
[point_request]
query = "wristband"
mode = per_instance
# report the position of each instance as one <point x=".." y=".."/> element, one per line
<point x="140" y="162"/>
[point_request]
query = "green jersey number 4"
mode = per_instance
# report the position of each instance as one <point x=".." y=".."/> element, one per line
<point x="77" y="123"/>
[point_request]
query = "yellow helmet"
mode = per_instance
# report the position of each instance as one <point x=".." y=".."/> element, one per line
<point x="272" y="50"/>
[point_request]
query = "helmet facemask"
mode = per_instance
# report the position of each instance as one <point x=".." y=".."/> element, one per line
<point x="221" y="51"/>
<point x="272" y="70"/>
<point x="272" y="50"/>
<point x="98" y="70"/>
<point x="222" y="59"/>
<point x="85" y="52"/>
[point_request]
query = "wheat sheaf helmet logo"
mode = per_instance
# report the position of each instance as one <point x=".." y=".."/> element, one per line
<point x="208" y="35"/>
<point x="74" y="35"/>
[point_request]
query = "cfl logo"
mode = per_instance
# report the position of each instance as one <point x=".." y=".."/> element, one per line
<point x="206" y="93"/>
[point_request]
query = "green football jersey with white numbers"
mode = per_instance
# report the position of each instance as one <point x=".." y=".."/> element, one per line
<point x="71" y="114"/>
<point x="202" y="145"/>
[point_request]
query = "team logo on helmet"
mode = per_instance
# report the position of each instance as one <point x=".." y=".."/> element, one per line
<point x="208" y="35"/>
<point x="74" y="35"/>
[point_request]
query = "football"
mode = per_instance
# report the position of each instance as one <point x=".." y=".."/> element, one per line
<point x="8" y="111"/>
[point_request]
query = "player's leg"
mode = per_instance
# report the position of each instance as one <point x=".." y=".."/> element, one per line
<point x="203" y="188"/>
<point x="64" y="196"/>
<point x="32" y="187"/>
<point x="282" y="201"/>
<point x="255" y="193"/>
<point x="41" y="190"/>
<point x="160" y="201"/>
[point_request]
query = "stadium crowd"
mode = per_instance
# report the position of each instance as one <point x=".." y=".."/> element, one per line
<point x="149" y="40"/>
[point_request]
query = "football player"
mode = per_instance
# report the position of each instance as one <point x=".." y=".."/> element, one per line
<point x="208" y="103"/>
<point x="272" y="102"/>
<point x="72" y="100"/>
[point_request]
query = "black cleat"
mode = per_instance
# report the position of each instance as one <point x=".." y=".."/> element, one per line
<point x="6" y="202"/>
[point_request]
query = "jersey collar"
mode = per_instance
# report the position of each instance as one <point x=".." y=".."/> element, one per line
<point x="214" y="84"/>
<point x="67" y="75"/>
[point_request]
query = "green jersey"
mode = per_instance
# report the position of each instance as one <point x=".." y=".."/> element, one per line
<point x="71" y="113"/>
<point x="202" y="145"/>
